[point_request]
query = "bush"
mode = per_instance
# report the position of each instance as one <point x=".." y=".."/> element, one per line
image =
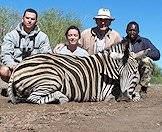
<point x="54" y="23"/>
<point x="157" y="75"/>
<point x="8" y="20"/>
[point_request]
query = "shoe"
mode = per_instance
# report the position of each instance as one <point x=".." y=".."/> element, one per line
<point x="143" y="92"/>
<point x="143" y="89"/>
<point x="4" y="92"/>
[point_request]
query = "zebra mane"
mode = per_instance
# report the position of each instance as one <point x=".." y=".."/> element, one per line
<point x="126" y="51"/>
<point x="121" y="47"/>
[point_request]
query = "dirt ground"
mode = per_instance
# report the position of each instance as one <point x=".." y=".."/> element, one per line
<point x="142" y="116"/>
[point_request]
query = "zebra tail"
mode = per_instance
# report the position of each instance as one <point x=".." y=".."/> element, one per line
<point x="11" y="91"/>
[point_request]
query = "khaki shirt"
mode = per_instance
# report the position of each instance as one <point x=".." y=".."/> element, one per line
<point x="87" y="40"/>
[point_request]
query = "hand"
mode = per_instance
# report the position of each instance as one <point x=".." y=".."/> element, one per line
<point x="146" y="51"/>
<point x="58" y="47"/>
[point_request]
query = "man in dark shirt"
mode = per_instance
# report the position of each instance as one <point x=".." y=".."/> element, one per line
<point x="138" y="44"/>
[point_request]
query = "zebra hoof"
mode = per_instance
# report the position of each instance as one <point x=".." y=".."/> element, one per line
<point x="4" y="92"/>
<point x="63" y="100"/>
<point x="123" y="98"/>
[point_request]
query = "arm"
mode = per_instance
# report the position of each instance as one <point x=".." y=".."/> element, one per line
<point x="154" y="53"/>
<point x="81" y="40"/>
<point x="45" y="45"/>
<point x="85" y="39"/>
<point x="7" y="50"/>
<point x="118" y="38"/>
<point x="58" y="48"/>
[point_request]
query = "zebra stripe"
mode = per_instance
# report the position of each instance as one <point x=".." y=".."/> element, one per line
<point x="45" y="78"/>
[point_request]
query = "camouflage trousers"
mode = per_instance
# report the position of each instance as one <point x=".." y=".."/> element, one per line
<point x="145" y="70"/>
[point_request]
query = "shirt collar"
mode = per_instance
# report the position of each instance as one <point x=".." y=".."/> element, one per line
<point x="95" y="32"/>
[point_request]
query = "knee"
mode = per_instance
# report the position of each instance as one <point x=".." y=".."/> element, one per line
<point x="147" y="62"/>
<point x="5" y="73"/>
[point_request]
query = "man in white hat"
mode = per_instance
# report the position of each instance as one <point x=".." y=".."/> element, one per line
<point x="102" y="36"/>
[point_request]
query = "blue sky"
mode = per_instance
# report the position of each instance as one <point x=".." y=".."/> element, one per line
<point x="147" y="14"/>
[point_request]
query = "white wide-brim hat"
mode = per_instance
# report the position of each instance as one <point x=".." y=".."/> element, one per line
<point x="104" y="14"/>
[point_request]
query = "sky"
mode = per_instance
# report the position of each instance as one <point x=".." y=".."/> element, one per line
<point x="148" y="14"/>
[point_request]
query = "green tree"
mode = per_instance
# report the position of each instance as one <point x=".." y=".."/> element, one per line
<point x="157" y="75"/>
<point x="54" y="23"/>
<point x="157" y="72"/>
<point x="8" y="20"/>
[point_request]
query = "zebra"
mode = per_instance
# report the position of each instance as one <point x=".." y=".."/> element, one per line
<point x="56" y="78"/>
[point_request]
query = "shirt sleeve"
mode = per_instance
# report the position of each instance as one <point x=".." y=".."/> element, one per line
<point x="7" y="51"/>
<point x="45" y="46"/>
<point x="154" y="53"/>
<point x="58" y="48"/>
<point x="118" y="38"/>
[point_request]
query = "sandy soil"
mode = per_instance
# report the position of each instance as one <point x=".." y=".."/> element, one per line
<point x="142" y="116"/>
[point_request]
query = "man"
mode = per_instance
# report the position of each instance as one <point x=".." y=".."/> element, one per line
<point x="26" y="39"/>
<point x="102" y="36"/>
<point x="138" y="44"/>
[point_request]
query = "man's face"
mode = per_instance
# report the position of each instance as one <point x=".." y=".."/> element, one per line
<point x="29" y="21"/>
<point x="132" y="31"/>
<point x="103" y="24"/>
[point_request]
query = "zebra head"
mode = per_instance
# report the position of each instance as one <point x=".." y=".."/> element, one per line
<point x="128" y="71"/>
<point x="129" y="79"/>
<point x="122" y="68"/>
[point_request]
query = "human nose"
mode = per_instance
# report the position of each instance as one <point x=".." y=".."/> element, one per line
<point x="29" y="19"/>
<point x="102" y="22"/>
<point x="132" y="31"/>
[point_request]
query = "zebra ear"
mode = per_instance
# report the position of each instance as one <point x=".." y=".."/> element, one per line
<point x="116" y="56"/>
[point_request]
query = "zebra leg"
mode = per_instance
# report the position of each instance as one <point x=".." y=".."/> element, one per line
<point x="11" y="92"/>
<point x="128" y="83"/>
<point x="56" y="97"/>
<point x="116" y="91"/>
<point x="129" y="95"/>
<point x="123" y="97"/>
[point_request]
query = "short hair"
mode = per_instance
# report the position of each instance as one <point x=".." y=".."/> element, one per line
<point x="73" y="27"/>
<point x="132" y="23"/>
<point x="32" y="11"/>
